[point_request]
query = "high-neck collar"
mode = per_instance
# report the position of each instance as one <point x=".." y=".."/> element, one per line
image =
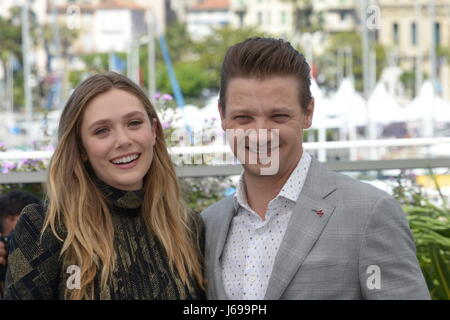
<point x="121" y="202"/>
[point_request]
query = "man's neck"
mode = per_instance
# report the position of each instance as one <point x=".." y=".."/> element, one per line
<point x="260" y="190"/>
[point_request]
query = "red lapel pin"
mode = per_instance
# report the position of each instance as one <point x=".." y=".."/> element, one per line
<point x="319" y="212"/>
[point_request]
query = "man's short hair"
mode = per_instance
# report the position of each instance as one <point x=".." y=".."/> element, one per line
<point x="12" y="203"/>
<point x="262" y="58"/>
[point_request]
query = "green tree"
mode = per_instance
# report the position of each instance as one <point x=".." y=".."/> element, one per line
<point x="190" y="75"/>
<point x="196" y="63"/>
<point x="352" y="39"/>
<point x="10" y="38"/>
<point x="179" y="42"/>
<point x="11" y="44"/>
<point x="210" y="51"/>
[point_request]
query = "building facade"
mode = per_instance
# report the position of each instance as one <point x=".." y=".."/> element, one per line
<point x="408" y="29"/>
<point x="202" y="17"/>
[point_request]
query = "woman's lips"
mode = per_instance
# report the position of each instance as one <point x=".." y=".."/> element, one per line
<point x="128" y="165"/>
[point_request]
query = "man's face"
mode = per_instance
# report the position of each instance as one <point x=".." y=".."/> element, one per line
<point x="271" y="104"/>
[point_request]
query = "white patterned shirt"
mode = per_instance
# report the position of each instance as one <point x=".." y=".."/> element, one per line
<point x="252" y="243"/>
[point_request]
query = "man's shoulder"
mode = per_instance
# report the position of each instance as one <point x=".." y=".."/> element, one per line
<point x="355" y="187"/>
<point x="217" y="210"/>
<point x="350" y="187"/>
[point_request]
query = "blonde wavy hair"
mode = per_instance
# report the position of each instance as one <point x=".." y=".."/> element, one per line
<point x="73" y="199"/>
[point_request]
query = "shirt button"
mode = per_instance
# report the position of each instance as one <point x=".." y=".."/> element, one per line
<point x="253" y="278"/>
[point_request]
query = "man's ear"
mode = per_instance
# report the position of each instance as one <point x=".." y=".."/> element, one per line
<point x="308" y="114"/>
<point x="222" y="114"/>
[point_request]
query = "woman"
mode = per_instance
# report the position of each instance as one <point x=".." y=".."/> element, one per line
<point x="115" y="226"/>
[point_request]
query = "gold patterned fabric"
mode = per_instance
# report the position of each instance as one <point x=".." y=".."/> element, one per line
<point x="35" y="269"/>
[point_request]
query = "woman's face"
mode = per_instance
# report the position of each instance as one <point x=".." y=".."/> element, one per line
<point x="118" y="138"/>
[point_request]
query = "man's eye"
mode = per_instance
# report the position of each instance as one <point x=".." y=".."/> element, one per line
<point x="242" y="117"/>
<point x="280" y="117"/>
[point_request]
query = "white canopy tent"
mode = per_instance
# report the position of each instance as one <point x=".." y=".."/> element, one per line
<point x="346" y="110"/>
<point x="383" y="109"/>
<point x="427" y="102"/>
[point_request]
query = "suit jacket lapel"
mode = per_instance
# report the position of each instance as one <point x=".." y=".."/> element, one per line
<point x="222" y="234"/>
<point x="305" y="227"/>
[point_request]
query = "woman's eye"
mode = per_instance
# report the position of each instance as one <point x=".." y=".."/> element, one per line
<point x="135" y="123"/>
<point x="242" y="117"/>
<point x="101" y="131"/>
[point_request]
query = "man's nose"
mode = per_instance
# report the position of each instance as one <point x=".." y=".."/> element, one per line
<point x="261" y="132"/>
<point x="262" y="124"/>
<point x="263" y="127"/>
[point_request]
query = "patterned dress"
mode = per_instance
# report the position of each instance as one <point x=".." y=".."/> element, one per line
<point x="35" y="268"/>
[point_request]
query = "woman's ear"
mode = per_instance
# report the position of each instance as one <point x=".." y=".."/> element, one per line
<point x="83" y="154"/>
<point x="154" y="124"/>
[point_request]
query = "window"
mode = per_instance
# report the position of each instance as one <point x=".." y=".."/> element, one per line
<point x="437" y="34"/>
<point x="260" y="17"/>
<point x="395" y="33"/>
<point x="283" y="17"/>
<point x="414" y="34"/>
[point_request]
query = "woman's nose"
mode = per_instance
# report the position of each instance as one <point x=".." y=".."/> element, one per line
<point x="123" y="139"/>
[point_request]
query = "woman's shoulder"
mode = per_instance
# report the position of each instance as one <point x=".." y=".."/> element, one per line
<point x="28" y="231"/>
<point x="33" y="215"/>
<point x="34" y="258"/>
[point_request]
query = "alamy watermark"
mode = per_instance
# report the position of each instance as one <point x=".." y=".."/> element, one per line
<point x="74" y="280"/>
<point x="373" y="17"/>
<point x="374" y="280"/>
<point x="249" y="147"/>
<point x="73" y="17"/>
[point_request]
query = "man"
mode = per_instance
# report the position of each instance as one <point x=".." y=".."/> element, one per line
<point x="11" y="205"/>
<point x="301" y="232"/>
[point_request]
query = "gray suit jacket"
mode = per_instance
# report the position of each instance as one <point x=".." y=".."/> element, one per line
<point x="333" y="256"/>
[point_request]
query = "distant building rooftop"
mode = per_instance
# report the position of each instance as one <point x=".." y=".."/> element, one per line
<point x="106" y="4"/>
<point x="211" y="5"/>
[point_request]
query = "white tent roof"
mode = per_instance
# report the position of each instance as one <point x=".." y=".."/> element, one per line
<point x="346" y="107"/>
<point x="425" y="102"/>
<point x="383" y="109"/>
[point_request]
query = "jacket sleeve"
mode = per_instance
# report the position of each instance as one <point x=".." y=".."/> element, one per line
<point x="388" y="266"/>
<point x="33" y="262"/>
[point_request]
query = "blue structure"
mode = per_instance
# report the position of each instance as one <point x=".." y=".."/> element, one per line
<point x="174" y="83"/>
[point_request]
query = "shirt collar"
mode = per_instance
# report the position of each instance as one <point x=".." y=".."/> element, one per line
<point x="293" y="186"/>
<point x="291" y="189"/>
